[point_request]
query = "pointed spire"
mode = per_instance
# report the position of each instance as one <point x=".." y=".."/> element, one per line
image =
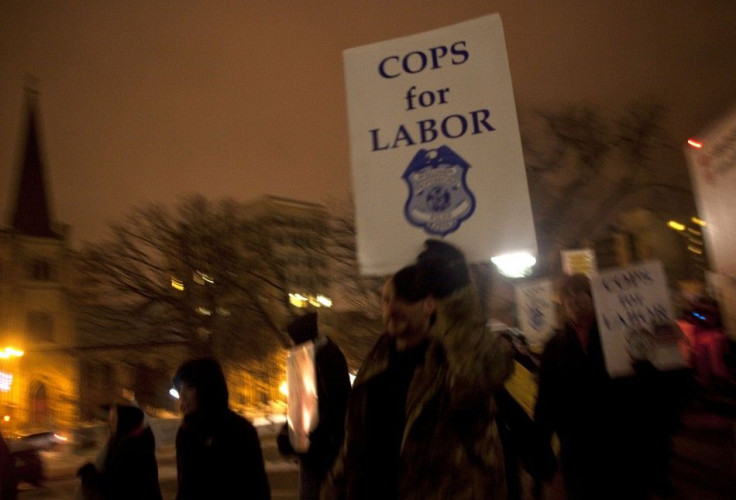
<point x="32" y="215"/>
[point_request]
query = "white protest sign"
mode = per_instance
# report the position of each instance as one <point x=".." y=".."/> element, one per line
<point x="635" y="318"/>
<point x="435" y="146"/>
<point x="536" y="310"/>
<point x="303" y="411"/>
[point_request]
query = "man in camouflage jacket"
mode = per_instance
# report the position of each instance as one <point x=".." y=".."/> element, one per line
<point x="421" y="415"/>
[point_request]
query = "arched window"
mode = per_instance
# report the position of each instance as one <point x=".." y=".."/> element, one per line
<point x="39" y="405"/>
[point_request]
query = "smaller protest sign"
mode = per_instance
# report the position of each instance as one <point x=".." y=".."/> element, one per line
<point x="635" y="319"/>
<point x="303" y="414"/>
<point x="579" y="261"/>
<point x="536" y="310"/>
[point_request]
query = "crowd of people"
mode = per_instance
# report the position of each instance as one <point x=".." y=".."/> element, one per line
<point x="427" y="416"/>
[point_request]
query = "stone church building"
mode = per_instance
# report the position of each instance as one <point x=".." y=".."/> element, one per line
<point x="54" y="373"/>
<point x="38" y="364"/>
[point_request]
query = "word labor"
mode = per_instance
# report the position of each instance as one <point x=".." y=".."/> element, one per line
<point x="451" y="127"/>
<point x="417" y="61"/>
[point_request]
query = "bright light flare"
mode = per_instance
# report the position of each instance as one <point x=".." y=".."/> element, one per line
<point x="284" y="388"/>
<point x="694" y="143"/>
<point x="699" y="222"/>
<point x="11" y="352"/>
<point x="324" y="301"/>
<point x="514" y="265"/>
<point x="174" y="393"/>
<point x="676" y="225"/>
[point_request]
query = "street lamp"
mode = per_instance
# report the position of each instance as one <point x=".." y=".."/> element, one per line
<point x="11" y="352"/>
<point x="514" y="265"/>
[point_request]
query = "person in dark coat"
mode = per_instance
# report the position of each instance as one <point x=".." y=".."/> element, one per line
<point x="612" y="444"/>
<point x="218" y="454"/>
<point x="333" y="387"/>
<point x="129" y="468"/>
<point x="8" y="486"/>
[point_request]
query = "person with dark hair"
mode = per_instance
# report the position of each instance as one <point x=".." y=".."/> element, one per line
<point x="333" y="386"/>
<point x="613" y="432"/>
<point x="128" y="466"/>
<point x="421" y="414"/>
<point x="218" y="454"/>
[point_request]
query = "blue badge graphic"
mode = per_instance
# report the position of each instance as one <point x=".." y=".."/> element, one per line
<point x="439" y="199"/>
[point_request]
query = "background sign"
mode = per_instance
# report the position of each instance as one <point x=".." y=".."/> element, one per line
<point x="713" y="172"/>
<point x="536" y="310"/>
<point x="435" y="146"/>
<point x="635" y="319"/>
<point x="579" y="261"/>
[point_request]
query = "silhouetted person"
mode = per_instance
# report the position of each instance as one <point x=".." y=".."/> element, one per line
<point x="128" y="465"/>
<point x="8" y="485"/>
<point x="333" y="386"/>
<point x="613" y="433"/>
<point x="218" y="454"/>
<point x="420" y="420"/>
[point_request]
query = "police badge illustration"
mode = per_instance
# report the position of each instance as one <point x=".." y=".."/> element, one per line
<point x="439" y="199"/>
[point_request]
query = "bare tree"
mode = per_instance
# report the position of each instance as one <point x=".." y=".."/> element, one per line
<point x="584" y="168"/>
<point x="182" y="273"/>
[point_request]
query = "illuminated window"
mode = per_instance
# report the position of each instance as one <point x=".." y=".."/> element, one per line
<point x="6" y="381"/>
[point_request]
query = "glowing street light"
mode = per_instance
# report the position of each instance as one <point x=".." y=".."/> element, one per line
<point x="514" y="265"/>
<point x="11" y="352"/>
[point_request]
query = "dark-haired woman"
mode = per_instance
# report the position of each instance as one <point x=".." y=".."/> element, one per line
<point x="128" y="467"/>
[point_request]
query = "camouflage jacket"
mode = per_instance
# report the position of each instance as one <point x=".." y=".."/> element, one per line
<point x="450" y="446"/>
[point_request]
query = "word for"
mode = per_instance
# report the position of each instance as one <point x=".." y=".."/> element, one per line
<point x="417" y="61"/>
<point x="426" y="98"/>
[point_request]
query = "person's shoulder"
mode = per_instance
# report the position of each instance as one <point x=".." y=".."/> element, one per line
<point x="235" y="419"/>
<point x="377" y="359"/>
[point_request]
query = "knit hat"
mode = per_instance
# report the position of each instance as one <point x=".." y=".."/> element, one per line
<point x="442" y="268"/>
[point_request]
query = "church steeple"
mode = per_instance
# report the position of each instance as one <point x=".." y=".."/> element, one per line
<point x="32" y="214"/>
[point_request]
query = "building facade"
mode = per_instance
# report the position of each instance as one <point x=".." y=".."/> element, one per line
<point x="38" y="365"/>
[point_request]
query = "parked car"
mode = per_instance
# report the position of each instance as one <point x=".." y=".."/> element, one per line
<point x="25" y="450"/>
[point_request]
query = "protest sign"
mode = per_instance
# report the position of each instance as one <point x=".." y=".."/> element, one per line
<point x="635" y="319"/>
<point x="303" y="411"/>
<point x="435" y="146"/>
<point x="579" y="261"/>
<point x="536" y="310"/>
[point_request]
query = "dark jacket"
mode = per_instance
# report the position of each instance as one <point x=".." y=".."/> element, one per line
<point x="333" y="387"/>
<point x="218" y="455"/>
<point x="8" y="486"/>
<point x="129" y="469"/>
<point x="598" y="420"/>
<point x="448" y="441"/>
